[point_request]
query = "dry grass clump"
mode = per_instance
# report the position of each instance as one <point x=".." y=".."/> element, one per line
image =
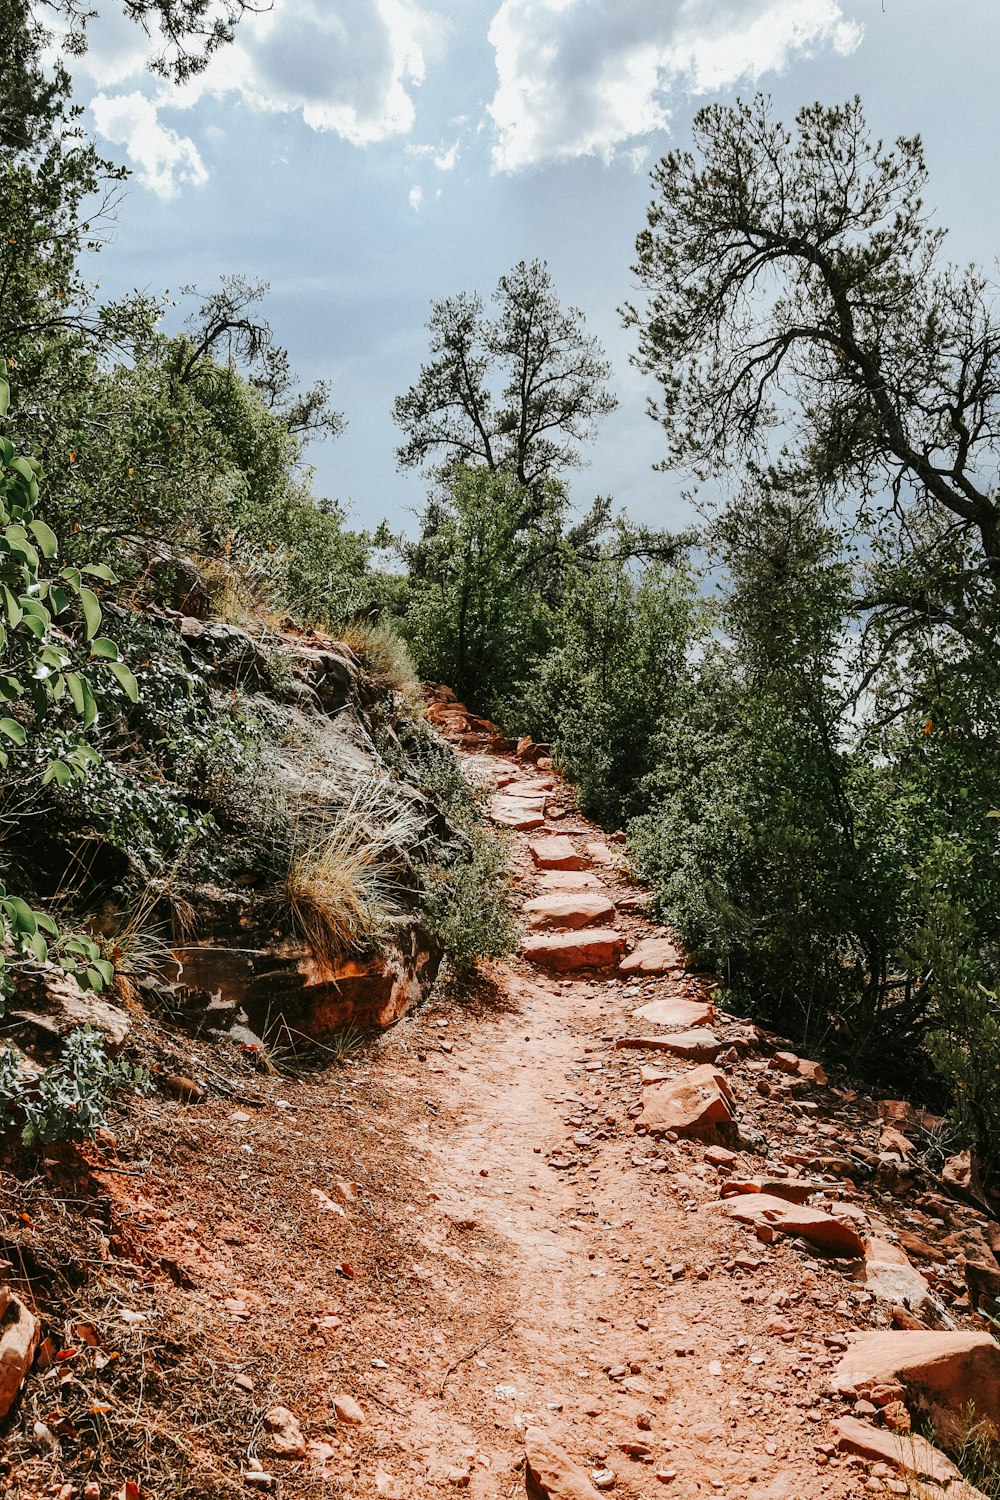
<point x="384" y="655"/>
<point x="340" y="887"/>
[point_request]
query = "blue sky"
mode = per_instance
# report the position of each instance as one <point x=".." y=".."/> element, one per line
<point x="367" y="156"/>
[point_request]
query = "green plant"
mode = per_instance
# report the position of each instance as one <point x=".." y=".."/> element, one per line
<point x="68" y="1101"/>
<point x="467" y="903"/>
<point x="60" y="672"/>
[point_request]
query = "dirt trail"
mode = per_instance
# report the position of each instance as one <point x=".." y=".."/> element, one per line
<point x="467" y="1231"/>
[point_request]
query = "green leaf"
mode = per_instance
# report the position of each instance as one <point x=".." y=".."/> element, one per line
<point x="58" y="598"/>
<point x="39" y="947"/>
<point x="94" y="979"/>
<point x="13" y="730"/>
<point x="91" y="612"/>
<point x="12" y="609"/>
<point x="4" y="398"/>
<point x="125" y="679"/>
<point x="58" y="772"/>
<point x="105" y="969"/>
<point x="89" y="704"/>
<point x="21" y="916"/>
<point x="45" y="537"/>
<point x="46" y="924"/>
<point x="104" y="649"/>
<point x="101" y="571"/>
<point x="75" y="685"/>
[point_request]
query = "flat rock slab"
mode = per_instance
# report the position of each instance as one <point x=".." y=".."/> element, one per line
<point x="517" y="813"/>
<point x="569" y="880"/>
<point x="549" y="1474"/>
<point x="555" y="852"/>
<point x="698" y="1045"/>
<point x="567" y="911"/>
<point x="912" y="1454"/>
<point x="603" y="854"/>
<point x="792" y="1189"/>
<point x="831" y="1236"/>
<point x="656" y="955"/>
<point x="676" y="1013"/>
<point x="948" y="1373"/>
<point x="568" y="952"/>
<point x="698" y="1104"/>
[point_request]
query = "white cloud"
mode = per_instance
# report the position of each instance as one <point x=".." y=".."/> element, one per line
<point x="584" y="77"/>
<point x="163" y="160"/>
<point x="349" y="68"/>
<point x="416" y="197"/>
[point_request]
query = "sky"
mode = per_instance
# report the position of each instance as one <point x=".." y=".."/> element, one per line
<point x="366" y="157"/>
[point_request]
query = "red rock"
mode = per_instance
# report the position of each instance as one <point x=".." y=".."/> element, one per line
<point x="19" y="1334"/>
<point x="912" y="1454"/>
<point x="792" y="1189"/>
<point x="676" y="1013"/>
<point x="549" y="1474"/>
<point x="698" y="1103"/>
<point x="828" y="1234"/>
<point x="602" y="854"/>
<point x="814" y="1071"/>
<point x="568" y="911"/>
<point x="348" y="1410"/>
<point x="718" y="1156"/>
<point x="784" y="1062"/>
<point x="518" y="813"/>
<point x="569" y="880"/>
<point x="593" y="948"/>
<point x="285" y="1437"/>
<point x="947" y="1374"/>
<point x="699" y="1045"/>
<point x="556" y="852"/>
<point x="655" y="955"/>
<point x="957" y="1171"/>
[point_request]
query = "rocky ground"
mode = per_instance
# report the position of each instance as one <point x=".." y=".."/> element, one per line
<point x="574" y="1232"/>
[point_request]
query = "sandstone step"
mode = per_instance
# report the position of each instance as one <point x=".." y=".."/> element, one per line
<point x="830" y="1235"/>
<point x="556" y="852"/>
<point x="569" y="880"/>
<point x="676" y="1013"/>
<point x="654" y="955"/>
<point x="592" y="948"/>
<point x="567" y="911"/>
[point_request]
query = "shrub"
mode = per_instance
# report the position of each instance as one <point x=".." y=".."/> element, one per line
<point x="384" y="655"/>
<point x="68" y="1101"/>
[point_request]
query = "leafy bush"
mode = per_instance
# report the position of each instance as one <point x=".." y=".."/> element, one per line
<point x="68" y="1101"/>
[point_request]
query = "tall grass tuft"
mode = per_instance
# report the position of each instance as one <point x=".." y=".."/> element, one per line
<point x="341" y="885"/>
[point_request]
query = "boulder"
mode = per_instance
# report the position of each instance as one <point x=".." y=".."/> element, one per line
<point x="655" y="955"/>
<point x="949" y="1375"/>
<point x="676" y="1013"/>
<point x="549" y="1474"/>
<point x="829" y="1235"/>
<point x="592" y="948"/>
<point x="556" y="852"/>
<point x="566" y="912"/>
<point x="348" y="1411"/>
<point x="51" y="1003"/>
<point x="888" y="1275"/>
<point x="18" y="1341"/>
<point x="911" y="1454"/>
<point x="698" y="1104"/>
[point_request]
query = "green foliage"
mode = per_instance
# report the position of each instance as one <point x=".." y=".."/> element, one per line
<point x="43" y="674"/>
<point x="68" y="1101"/>
<point x="615" y="676"/>
<point x="466" y="902"/>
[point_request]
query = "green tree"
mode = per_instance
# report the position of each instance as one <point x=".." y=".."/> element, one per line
<point x="519" y="393"/>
